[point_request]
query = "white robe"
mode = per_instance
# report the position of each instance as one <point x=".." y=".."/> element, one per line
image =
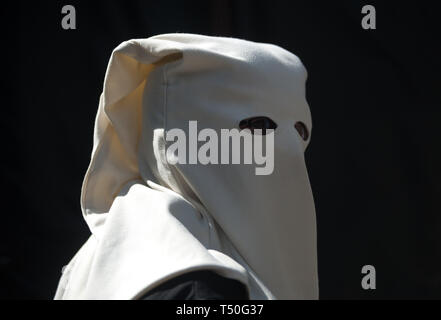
<point x="151" y="220"/>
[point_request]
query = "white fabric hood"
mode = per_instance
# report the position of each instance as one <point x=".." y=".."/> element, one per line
<point x="151" y="220"/>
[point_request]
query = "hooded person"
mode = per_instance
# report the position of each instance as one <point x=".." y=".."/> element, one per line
<point x="153" y="219"/>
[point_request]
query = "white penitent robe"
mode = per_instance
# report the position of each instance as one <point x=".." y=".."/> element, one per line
<point x="152" y="220"/>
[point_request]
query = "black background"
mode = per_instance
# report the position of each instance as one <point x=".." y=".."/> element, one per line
<point x="374" y="160"/>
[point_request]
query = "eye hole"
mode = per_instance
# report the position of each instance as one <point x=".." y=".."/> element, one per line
<point x="262" y="123"/>
<point x="302" y="130"/>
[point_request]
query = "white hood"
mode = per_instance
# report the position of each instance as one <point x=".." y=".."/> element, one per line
<point x="151" y="220"/>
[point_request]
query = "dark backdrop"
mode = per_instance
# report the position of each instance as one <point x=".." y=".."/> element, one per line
<point x="374" y="159"/>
